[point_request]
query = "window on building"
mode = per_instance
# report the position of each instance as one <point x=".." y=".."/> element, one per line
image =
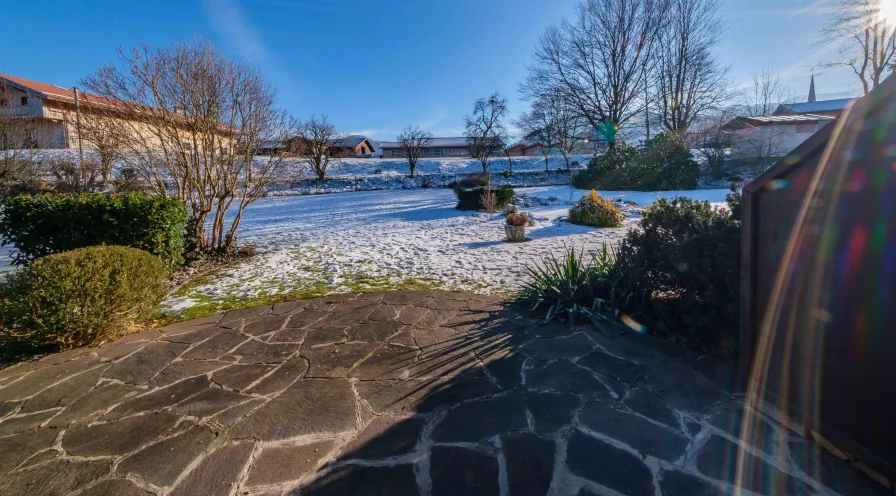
<point x="24" y="101"/>
<point x="4" y="102"/>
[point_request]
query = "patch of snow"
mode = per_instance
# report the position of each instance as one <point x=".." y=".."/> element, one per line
<point x="334" y="240"/>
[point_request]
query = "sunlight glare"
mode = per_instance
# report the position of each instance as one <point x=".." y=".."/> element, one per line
<point x="887" y="11"/>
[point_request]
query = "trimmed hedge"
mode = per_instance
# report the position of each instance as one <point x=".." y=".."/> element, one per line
<point x="595" y="211"/>
<point x="80" y="297"/>
<point x="471" y="198"/>
<point x="43" y="224"/>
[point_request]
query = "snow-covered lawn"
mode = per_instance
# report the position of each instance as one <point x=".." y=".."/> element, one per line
<point x="348" y="241"/>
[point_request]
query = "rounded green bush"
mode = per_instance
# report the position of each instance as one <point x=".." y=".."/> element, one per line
<point x="595" y="211"/>
<point x="80" y="297"/>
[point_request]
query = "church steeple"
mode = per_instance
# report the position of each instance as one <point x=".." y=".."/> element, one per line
<point x="812" y="90"/>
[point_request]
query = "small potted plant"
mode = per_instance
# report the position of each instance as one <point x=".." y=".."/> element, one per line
<point x="515" y="227"/>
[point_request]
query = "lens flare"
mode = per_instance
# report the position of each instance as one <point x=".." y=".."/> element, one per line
<point x="633" y="324"/>
<point x="886" y="12"/>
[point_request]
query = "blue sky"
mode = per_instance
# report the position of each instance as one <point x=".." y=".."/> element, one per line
<point x="376" y="66"/>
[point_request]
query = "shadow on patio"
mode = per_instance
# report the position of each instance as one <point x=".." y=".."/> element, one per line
<point x="395" y="393"/>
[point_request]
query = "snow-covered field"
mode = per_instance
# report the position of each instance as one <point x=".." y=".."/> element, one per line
<point x="343" y="241"/>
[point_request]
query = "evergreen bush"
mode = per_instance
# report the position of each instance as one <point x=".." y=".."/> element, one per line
<point x="683" y="263"/>
<point x="663" y="164"/>
<point x="80" y="297"/>
<point x="595" y="211"/>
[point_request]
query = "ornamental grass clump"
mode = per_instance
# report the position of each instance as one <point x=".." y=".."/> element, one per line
<point x="596" y="211"/>
<point x="573" y="285"/>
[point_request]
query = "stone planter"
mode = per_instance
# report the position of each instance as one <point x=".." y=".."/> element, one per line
<point x="515" y="233"/>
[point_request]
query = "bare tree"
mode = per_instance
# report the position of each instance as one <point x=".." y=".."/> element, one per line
<point x="690" y="81"/>
<point x="597" y="61"/>
<point x="864" y="32"/>
<point x="485" y="129"/>
<point x="317" y="141"/>
<point x="554" y="124"/>
<point x="765" y="94"/>
<point x="190" y="122"/>
<point x="413" y="140"/>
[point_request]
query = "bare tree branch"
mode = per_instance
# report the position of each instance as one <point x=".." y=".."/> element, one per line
<point x="690" y="81"/>
<point x="865" y="39"/>
<point x="555" y="124"/>
<point x="597" y="61"/>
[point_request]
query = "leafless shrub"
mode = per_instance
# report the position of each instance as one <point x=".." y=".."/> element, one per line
<point x="489" y="201"/>
<point x="128" y="180"/>
<point x="74" y="177"/>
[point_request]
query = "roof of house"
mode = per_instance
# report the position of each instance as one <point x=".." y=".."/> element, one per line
<point x="58" y="93"/>
<point x="788" y="119"/>
<point x="775" y="120"/>
<point x="46" y="90"/>
<point x="819" y="106"/>
<point x="353" y="140"/>
<point x="433" y="143"/>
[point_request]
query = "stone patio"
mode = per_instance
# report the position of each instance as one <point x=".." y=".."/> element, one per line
<point x="396" y="393"/>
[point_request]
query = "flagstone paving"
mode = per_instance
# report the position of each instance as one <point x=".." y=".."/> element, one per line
<point x="397" y="393"/>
